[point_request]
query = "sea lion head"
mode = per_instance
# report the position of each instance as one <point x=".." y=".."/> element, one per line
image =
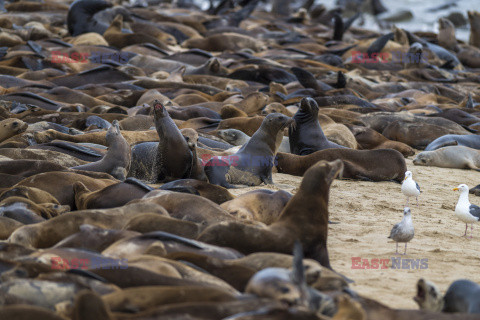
<point x="428" y="296"/>
<point x="232" y="136"/>
<point x="274" y="122"/>
<point x="113" y="132"/>
<point x="11" y="127"/>
<point x="275" y="283"/>
<point x="159" y="110"/>
<point x="191" y="136"/>
<point x="319" y="177"/>
<point x="445" y="24"/>
<point x="309" y="106"/>
<point x="422" y="159"/>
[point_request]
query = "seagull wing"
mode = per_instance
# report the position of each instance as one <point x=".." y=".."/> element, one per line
<point x="475" y="211"/>
<point x="394" y="230"/>
<point x="418" y="187"/>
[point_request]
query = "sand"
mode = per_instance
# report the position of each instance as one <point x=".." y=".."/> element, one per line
<point x="368" y="210"/>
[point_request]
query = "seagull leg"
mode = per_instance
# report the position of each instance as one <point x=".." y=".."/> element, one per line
<point x="405" y="249"/>
<point x="466" y="228"/>
<point x="396" y="252"/>
<point x="417" y="200"/>
<point x="407" y="201"/>
<point x="471" y="230"/>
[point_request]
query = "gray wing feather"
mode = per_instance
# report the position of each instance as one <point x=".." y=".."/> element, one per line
<point x="394" y="230"/>
<point x="475" y="211"/>
<point x="418" y="187"/>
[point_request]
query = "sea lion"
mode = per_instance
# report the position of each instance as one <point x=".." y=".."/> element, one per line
<point x="80" y="16"/>
<point x="370" y="139"/>
<point x="253" y="163"/>
<point x="305" y="217"/>
<point x="474" y="19"/>
<point x="459" y="157"/>
<point x="212" y="192"/>
<point x="461" y="296"/>
<point x="258" y="205"/>
<point x="247" y="125"/>
<point x="117" y="160"/>
<point x="239" y="138"/>
<point x="167" y="160"/>
<point x="373" y="165"/>
<point x="60" y="184"/>
<point x="11" y="127"/>
<point x="290" y="286"/>
<point x="50" y="232"/>
<point x="150" y="222"/>
<point x="307" y="135"/>
<point x="471" y="141"/>
<point x="112" y="196"/>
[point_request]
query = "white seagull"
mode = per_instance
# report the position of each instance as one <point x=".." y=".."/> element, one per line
<point x="409" y="187"/>
<point x="465" y="211"/>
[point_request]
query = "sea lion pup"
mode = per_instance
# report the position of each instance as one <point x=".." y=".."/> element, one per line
<point x="117" y="160"/>
<point x="11" y="127"/>
<point x="196" y="172"/>
<point x="474" y="19"/>
<point x="305" y="217"/>
<point x="348" y="309"/>
<point x="370" y="139"/>
<point x="290" y="287"/>
<point x="239" y="138"/>
<point x="372" y="165"/>
<point x="259" y="205"/>
<point x="459" y="157"/>
<point x="253" y="163"/>
<point x="461" y="296"/>
<point x="168" y="160"/>
<point x="115" y="195"/>
<point x="471" y="141"/>
<point x="307" y="135"/>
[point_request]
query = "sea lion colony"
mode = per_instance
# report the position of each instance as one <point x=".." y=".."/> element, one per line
<point x="113" y="165"/>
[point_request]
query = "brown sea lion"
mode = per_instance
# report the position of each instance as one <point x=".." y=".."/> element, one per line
<point x="50" y="232"/>
<point x="60" y="184"/>
<point x="258" y="205"/>
<point x="11" y="127"/>
<point x="246" y="125"/>
<point x="150" y="222"/>
<point x="370" y="139"/>
<point x="187" y="207"/>
<point x="474" y="19"/>
<point x="374" y="165"/>
<point x="223" y="42"/>
<point x="305" y="217"/>
<point x="117" y="160"/>
<point x="116" y="38"/>
<point x="114" y="195"/>
<point x="207" y="190"/>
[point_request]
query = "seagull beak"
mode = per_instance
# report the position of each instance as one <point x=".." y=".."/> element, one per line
<point x="455" y="189"/>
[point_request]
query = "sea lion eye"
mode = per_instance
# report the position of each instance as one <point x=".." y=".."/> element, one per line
<point x="15" y="124"/>
<point x="284" y="290"/>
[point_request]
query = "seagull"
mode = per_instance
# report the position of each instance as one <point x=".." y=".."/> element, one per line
<point x="403" y="231"/>
<point x="465" y="211"/>
<point x="409" y="187"/>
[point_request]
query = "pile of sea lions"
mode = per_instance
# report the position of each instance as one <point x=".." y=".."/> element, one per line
<point x="124" y="127"/>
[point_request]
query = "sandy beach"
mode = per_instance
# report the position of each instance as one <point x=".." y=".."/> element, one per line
<point x="366" y="212"/>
